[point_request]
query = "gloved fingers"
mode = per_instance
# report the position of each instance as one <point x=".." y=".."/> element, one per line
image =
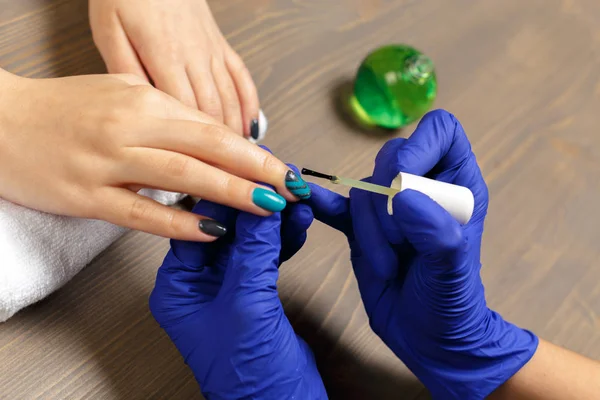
<point x="254" y="255"/>
<point x="469" y="175"/>
<point x="383" y="174"/>
<point x="438" y="143"/>
<point x="181" y="289"/>
<point x="439" y="147"/>
<point x="386" y="160"/>
<point x="296" y="219"/>
<point x="432" y="231"/>
<point x="187" y="277"/>
<point x="457" y="164"/>
<point x="254" y="252"/>
<point x="199" y="254"/>
<point x="382" y="261"/>
<point x="332" y="209"/>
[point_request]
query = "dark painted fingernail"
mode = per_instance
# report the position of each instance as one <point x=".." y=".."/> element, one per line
<point x="296" y="185"/>
<point x="212" y="228"/>
<point x="254" y="129"/>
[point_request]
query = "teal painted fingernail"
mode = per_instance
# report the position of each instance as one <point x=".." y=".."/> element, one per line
<point x="296" y="185"/>
<point x="268" y="200"/>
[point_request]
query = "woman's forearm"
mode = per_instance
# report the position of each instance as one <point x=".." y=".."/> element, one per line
<point x="6" y="83"/>
<point x="5" y="78"/>
<point x="554" y="373"/>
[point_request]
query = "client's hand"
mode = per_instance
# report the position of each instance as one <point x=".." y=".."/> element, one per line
<point x="96" y="140"/>
<point x="418" y="270"/>
<point x="179" y="47"/>
<point x="218" y="302"/>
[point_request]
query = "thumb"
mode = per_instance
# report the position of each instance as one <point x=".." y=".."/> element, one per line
<point x="296" y="219"/>
<point x="254" y="253"/>
<point x="331" y="208"/>
<point x="186" y="279"/>
<point x="198" y="254"/>
<point x="431" y="230"/>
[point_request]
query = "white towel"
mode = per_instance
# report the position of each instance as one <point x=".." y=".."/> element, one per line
<point x="40" y="252"/>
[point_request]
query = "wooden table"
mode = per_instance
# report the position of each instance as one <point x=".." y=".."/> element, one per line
<point x="522" y="76"/>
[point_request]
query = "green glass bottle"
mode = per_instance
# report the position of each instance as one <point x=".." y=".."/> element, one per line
<point x="395" y="86"/>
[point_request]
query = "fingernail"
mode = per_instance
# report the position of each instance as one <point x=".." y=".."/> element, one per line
<point x="254" y="129"/>
<point x="296" y="185"/>
<point x="212" y="227"/>
<point x="268" y="200"/>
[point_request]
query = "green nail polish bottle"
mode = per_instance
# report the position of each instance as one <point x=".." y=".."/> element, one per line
<point x="395" y="86"/>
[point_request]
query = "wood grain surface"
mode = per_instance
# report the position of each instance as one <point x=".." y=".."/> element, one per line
<point x="522" y="76"/>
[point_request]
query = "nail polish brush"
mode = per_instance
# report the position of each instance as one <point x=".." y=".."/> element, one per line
<point x="457" y="200"/>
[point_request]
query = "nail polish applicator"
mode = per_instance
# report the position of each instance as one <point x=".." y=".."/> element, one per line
<point x="457" y="200"/>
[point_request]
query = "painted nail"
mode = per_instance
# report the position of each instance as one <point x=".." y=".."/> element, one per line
<point x="296" y="185"/>
<point x="212" y="228"/>
<point x="268" y="200"/>
<point x="254" y="129"/>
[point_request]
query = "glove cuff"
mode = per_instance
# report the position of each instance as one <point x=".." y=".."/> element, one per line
<point x="475" y="370"/>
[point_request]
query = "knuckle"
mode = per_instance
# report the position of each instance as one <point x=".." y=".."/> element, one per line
<point x="269" y="164"/>
<point x="176" y="222"/>
<point x="172" y="50"/>
<point x="172" y="222"/>
<point x="78" y="202"/>
<point x="439" y="115"/>
<point x="236" y="60"/>
<point x="139" y="211"/>
<point x="112" y="122"/>
<point x="188" y="100"/>
<point x="228" y="187"/>
<point x="453" y="240"/>
<point x="224" y="139"/>
<point x="133" y="79"/>
<point x="142" y="213"/>
<point x="145" y="97"/>
<point x="213" y="108"/>
<point x="237" y="65"/>
<point x="448" y="127"/>
<point x="232" y="104"/>
<point x="176" y="166"/>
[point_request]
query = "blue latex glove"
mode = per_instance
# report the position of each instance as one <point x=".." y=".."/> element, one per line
<point x="218" y="303"/>
<point x="418" y="270"/>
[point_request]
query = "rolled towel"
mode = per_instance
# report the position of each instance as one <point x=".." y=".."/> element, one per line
<point x="40" y="252"/>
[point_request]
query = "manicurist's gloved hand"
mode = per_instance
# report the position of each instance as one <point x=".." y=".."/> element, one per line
<point x="419" y="270"/>
<point x="218" y="302"/>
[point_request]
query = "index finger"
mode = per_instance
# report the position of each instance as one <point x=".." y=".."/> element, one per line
<point x="371" y="237"/>
<point x="439" y="146"/>
<point x="216" y="145"/>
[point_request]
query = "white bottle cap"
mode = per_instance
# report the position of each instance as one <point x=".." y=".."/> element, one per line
<point x="457" y="200"/>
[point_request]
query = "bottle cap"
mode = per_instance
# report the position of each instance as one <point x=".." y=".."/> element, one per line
<point x="457" y="200"/>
